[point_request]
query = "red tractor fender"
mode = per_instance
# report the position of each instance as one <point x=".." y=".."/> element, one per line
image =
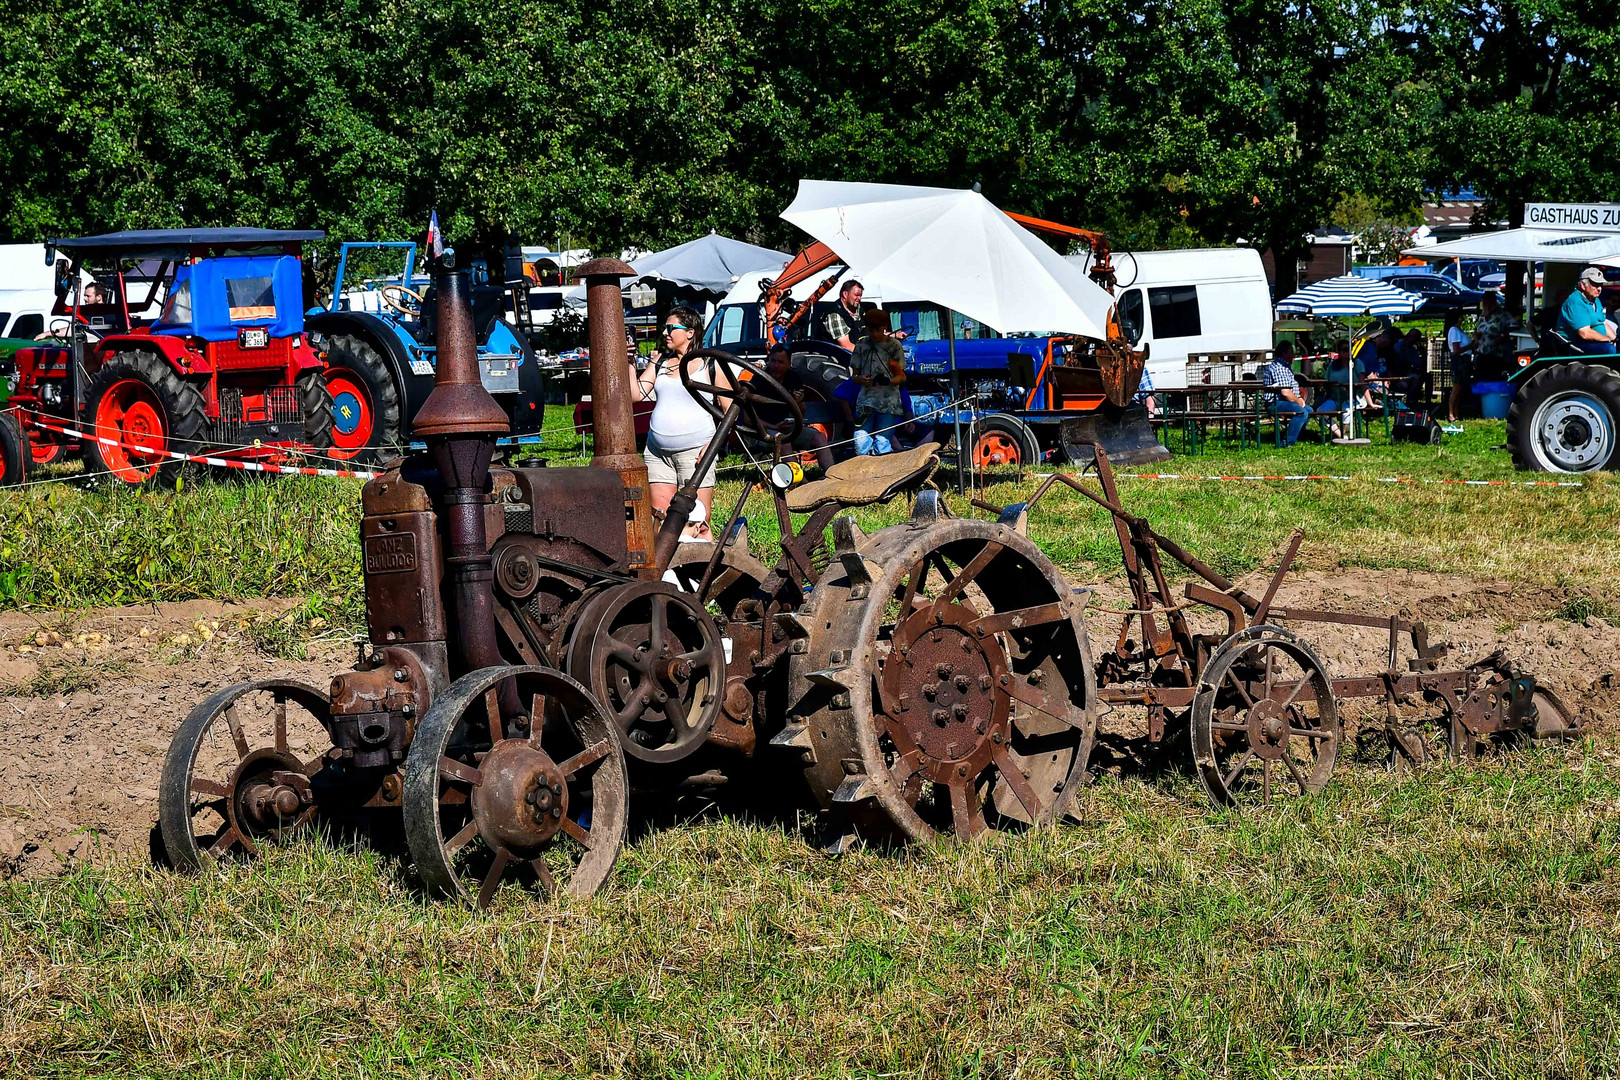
<point x="176" y="350"/>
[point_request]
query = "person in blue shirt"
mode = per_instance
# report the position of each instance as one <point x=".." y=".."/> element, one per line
<point x="1581" y="319"/>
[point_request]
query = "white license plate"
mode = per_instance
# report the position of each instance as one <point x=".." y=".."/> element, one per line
<point x="253" y="338"/>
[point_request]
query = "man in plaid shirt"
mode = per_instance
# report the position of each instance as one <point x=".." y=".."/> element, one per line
<point x="843" y="323"/>
<point x="1283" y="396"/>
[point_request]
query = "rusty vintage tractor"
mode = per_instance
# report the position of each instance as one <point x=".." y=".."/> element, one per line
<point x="537" y="653"/>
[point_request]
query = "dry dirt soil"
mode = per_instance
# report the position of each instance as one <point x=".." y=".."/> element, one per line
<point x="88" y="702"/>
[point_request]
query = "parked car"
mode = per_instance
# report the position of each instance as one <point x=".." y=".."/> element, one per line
<point x="1440" y="294"/>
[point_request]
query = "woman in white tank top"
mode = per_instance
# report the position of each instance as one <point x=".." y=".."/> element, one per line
<point x="680" y="428"/>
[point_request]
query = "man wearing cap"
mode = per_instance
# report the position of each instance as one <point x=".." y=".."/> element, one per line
<point x="1581" y="319"/>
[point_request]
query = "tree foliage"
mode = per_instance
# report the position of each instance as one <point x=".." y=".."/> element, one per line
<point x="1168" y="122"/>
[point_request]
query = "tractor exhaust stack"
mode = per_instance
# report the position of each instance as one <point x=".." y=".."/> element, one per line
<point x="613" y="403"/>
<point x="460" y="422"/>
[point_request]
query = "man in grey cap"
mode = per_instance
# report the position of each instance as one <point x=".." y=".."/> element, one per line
<point x="1581" y="319"/>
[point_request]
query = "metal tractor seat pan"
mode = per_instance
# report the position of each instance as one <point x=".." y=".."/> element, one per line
<point x="866" y="479"/>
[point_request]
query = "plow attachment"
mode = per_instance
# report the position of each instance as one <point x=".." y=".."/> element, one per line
<point x="1125" y="435"/>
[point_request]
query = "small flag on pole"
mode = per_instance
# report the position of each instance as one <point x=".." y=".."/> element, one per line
<point x="435" y="238"/>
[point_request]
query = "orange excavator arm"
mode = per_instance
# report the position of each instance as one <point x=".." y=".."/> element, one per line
<point x="1102" y="264"/>
<point x="810" y="261"/>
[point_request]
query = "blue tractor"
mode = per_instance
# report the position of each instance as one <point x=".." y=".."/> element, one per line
<point x="377" y="340"/>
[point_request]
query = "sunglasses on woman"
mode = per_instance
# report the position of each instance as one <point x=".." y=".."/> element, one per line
<point x="668" y="327"/>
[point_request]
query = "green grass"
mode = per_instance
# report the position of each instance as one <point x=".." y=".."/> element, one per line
<point x="65" y="546"/>
<point x="1461" y="923"/>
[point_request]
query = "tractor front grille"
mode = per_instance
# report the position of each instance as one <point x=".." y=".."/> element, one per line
<point x="275" y="415"/>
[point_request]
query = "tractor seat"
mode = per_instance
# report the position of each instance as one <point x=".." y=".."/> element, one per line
<point x="867" y="479"/>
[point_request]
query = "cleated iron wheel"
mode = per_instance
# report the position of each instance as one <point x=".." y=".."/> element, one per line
<point x="653" y="658"/>
<point x="538" y="798"/>
<point x="1264" y="721"/>
<point x="946" y="687"/>
<point x="239" y="771"/>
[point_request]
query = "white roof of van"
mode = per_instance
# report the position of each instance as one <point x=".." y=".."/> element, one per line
<point x="1187" y="264"/>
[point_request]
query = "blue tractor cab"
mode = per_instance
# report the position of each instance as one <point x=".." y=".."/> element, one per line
<point x="377" y="337"/>
<point x="217" y="299"/>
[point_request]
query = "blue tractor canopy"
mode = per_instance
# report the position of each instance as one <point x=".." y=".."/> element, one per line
<point x="216" y="298"/>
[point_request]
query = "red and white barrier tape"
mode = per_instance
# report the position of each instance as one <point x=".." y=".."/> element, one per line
<point x="227" y="463"/>
<point x="1372" y="479"/>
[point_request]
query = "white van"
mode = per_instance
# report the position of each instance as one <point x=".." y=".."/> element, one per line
<point x="27" y="290"/>
<point x="1201" y="300"/>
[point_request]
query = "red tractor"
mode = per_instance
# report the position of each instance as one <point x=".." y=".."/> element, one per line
<point x="189" y="343"/>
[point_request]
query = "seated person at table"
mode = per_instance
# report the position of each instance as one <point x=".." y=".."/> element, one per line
<point x="779" y="365"/>
<point x="1339" y="375"/>
<point x="1581" y="318"/>
<point x="1283" y="397"/>
<point x="1403" y="371"/>
<point x="1374" y="355"/>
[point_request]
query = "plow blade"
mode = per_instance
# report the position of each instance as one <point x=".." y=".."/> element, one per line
<point x="1125" y="434"/>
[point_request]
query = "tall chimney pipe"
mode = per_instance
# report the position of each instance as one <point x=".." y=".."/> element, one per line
<point x="460" y="422"/>
<point x="613" y="404"/>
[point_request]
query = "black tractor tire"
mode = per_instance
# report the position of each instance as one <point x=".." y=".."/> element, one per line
<point x="822" y="374"/>
<point x="1566" y="419"/>
<point x="181" y="413"/>
<point x="1008" y="432"/>
<point x="13" y="451"/>
<point x="368" y="371"/>
<point x="317" y="406"/>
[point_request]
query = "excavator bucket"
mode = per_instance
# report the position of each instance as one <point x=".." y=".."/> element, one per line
<point x="1125" y="434"/>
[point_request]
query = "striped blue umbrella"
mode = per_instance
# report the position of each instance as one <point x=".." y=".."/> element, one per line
<point x="1350" y="295"/>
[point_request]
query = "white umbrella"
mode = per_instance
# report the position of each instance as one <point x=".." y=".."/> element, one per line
<point x="954" y="248"/>
<point x="712" y="262"/>
<point x="1350" y="296"/>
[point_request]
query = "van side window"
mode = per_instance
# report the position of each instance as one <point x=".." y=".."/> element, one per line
<point x="1175" y="311"/>
<point x="1130" y="315"/>
<point x="727" y="329"/>
<point x="27" y="326"/>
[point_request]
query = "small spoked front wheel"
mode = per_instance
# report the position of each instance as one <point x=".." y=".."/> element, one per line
<point x="238" y="772"/>
<point x="534" y="795"/>
<point x="1265" y="725"/>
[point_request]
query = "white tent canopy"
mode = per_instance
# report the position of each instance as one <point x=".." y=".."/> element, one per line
<point x="1530" y="245"/>
<point x="712" y="263"/>
<point x="954" y="248"/>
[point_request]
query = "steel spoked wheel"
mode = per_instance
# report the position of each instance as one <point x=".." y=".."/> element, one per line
<point x="353" y="417"/>
<point x="239" y="771"/>
<point x="1574" y="432"/>
<point x="1265" y="725"/>
<point x="957" y="677"/>
<point x="537" y="797"/>
<point x="653" y="657"/>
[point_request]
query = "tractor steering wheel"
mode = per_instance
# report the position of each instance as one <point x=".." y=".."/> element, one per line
<point x="746" y="395"/>
<point x="403" y="300"/>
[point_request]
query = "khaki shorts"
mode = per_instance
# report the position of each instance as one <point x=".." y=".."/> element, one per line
<point x="674" y="466"/>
